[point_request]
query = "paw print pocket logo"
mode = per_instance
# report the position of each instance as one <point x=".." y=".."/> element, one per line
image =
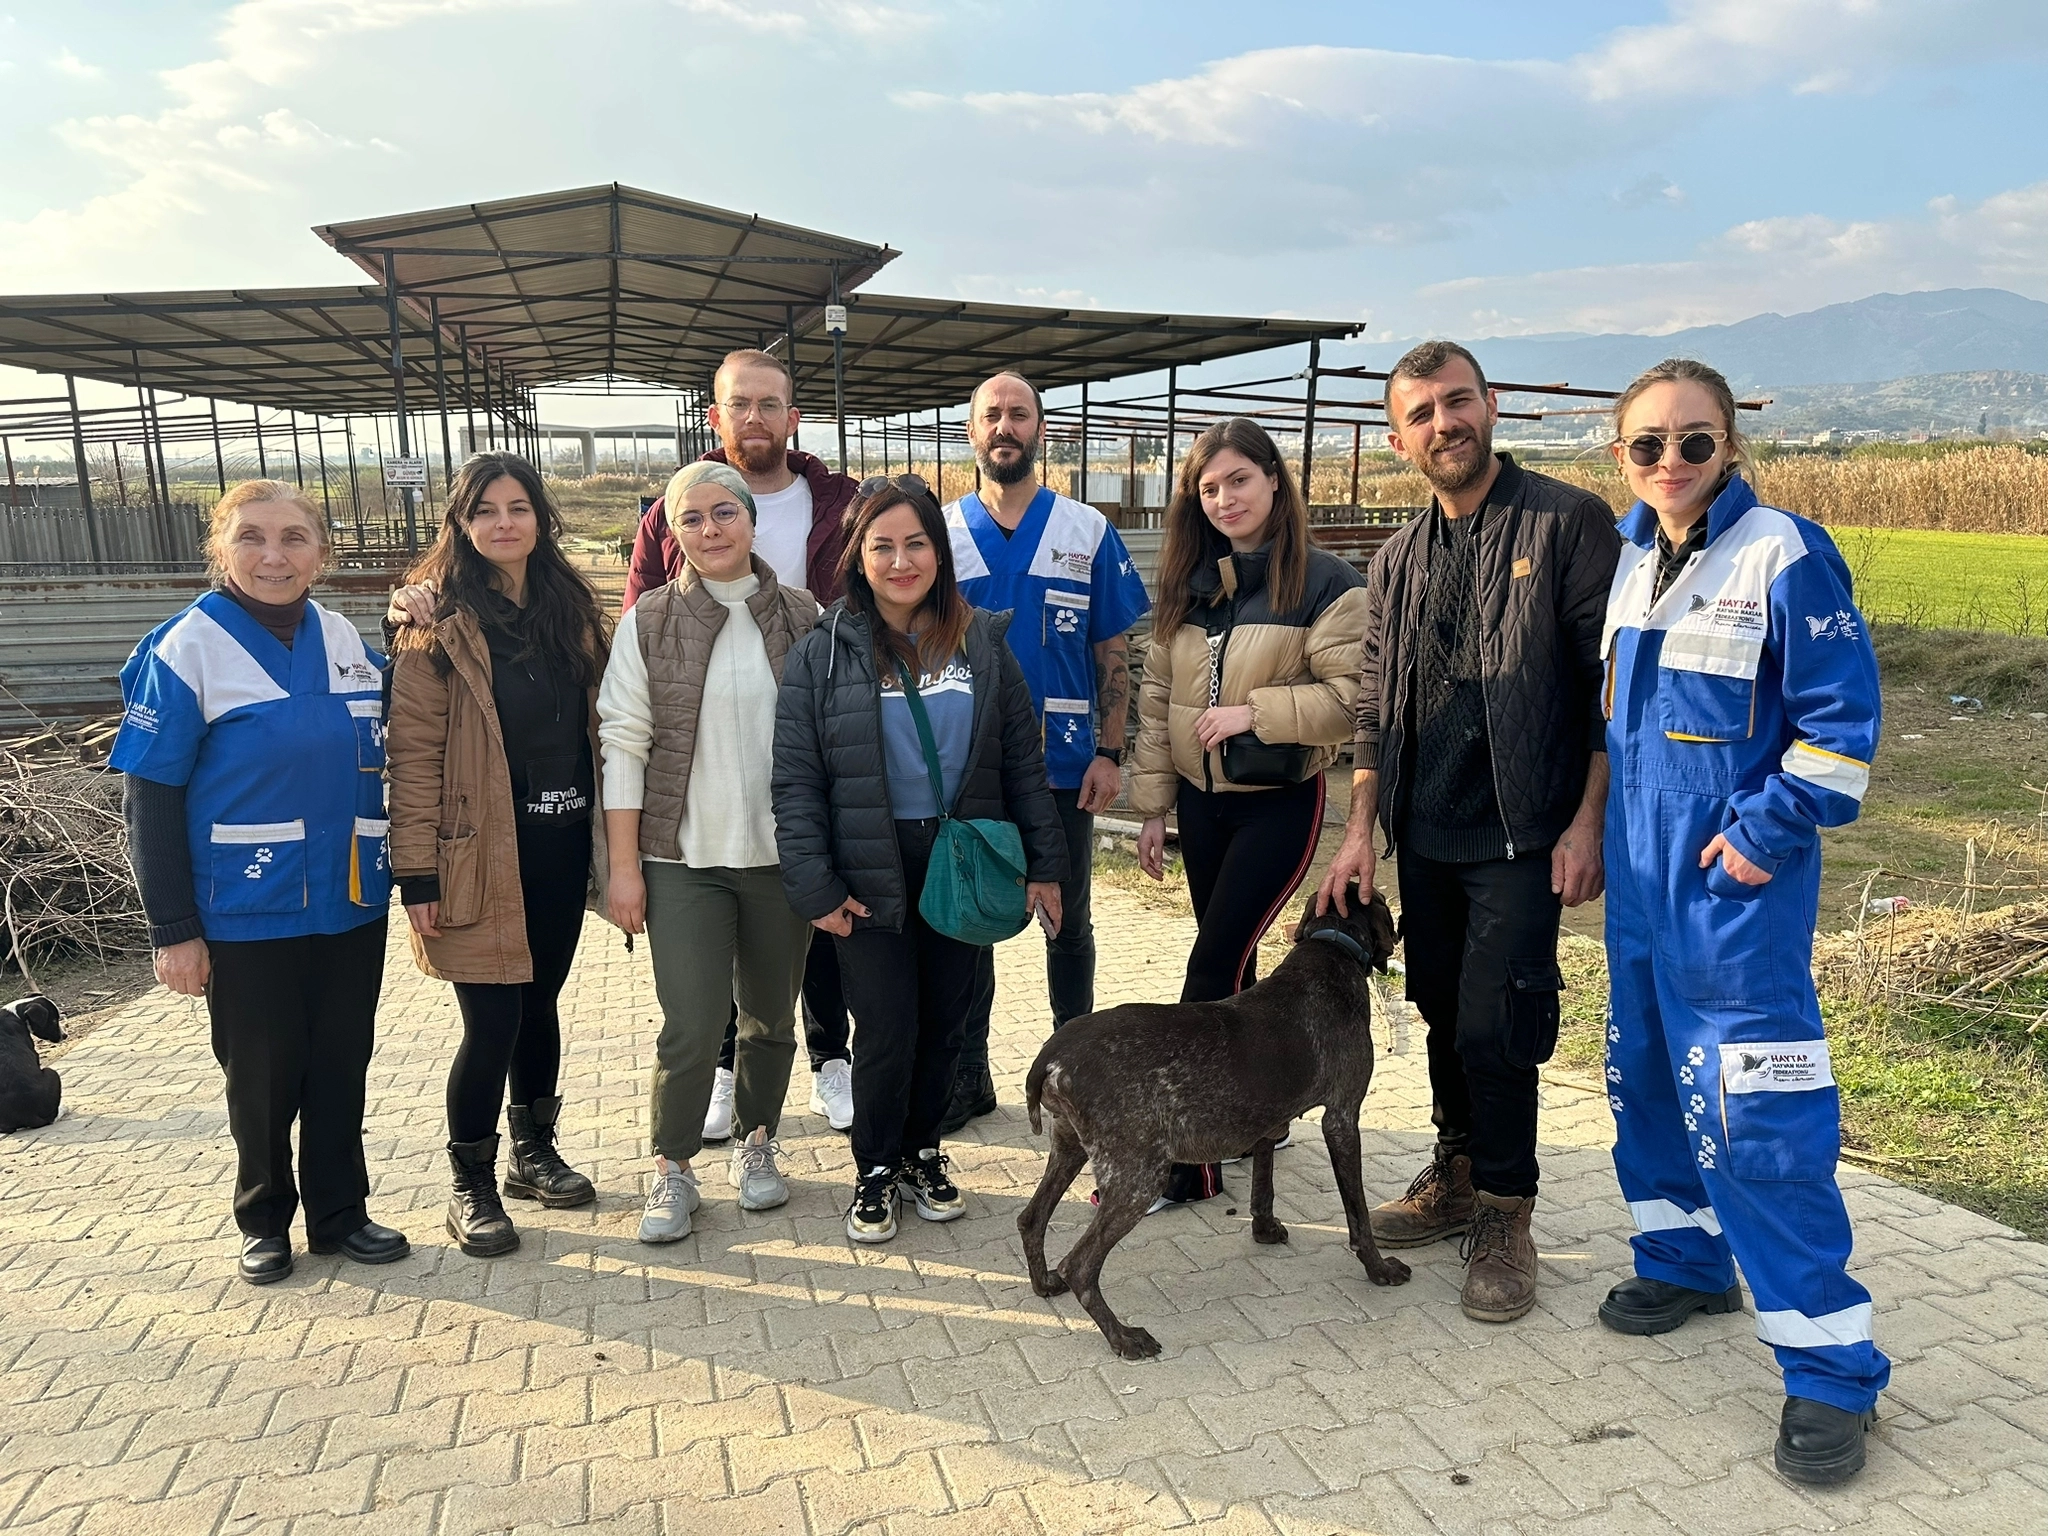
<point x="1685" y="1076"/>
<point x="1065" y="620"/>
<point x="1691" y="1123"/>
<point x="1698" y="1104"/>
<point x="254" y="869"/>
<point x="1696" y="1057"/>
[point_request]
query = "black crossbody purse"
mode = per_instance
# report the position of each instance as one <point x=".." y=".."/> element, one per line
<point x="1248" y="761"/>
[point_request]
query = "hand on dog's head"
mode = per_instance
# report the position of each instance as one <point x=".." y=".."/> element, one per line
<point x="38" y="1016"/>
<point x="1371" y="924"/>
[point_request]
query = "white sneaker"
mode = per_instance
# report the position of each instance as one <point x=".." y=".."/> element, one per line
<point x="754" y="1173"/>
<point x="666" y="1216"/>
<point x="1230" y="1162"/>
<point x="832" y="1094"/>
<point x="718" y="1117"/>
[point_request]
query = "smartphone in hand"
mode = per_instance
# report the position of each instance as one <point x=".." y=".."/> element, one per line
<point x="1044" y="918"/>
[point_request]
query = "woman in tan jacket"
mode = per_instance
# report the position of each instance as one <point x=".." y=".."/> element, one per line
<point x="1249" y="687"/>
<point x="496" y="836"/>
<point x="687" y="712"/>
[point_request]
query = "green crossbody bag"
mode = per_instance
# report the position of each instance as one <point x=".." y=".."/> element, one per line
<point x="974" y="884"/>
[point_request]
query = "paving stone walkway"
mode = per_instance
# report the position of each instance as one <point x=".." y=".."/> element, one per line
<point x="765" y="1376"/>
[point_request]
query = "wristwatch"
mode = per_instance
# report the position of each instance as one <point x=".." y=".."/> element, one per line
<point x="1114" y="754"/>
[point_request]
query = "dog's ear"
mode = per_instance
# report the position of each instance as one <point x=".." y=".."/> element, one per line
<point x="1379" y="922"/>
<point x="38" y="1015"/>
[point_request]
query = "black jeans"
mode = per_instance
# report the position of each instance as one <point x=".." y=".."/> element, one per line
<point x="294" y="1021"/>
<point x="1245" y="853"/>
<point x="911" y="991"/>
<point x="1069" y="955"/>
<point x="1482" y="967"/>
<point x="825" y="1021"/>
<point x="514" y="1030"/>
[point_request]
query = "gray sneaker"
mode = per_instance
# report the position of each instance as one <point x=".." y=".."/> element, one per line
<point x="670" y="1199"/>
<point x="753" y="1172"/>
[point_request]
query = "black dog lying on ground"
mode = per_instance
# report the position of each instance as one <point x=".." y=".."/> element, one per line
<point x="1135" y="1088"/>
<point x="29" y="1091"/>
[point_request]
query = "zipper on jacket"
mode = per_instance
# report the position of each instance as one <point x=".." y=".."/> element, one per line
<point x="1216" y="673"/>
<point x="1500" y="806"/>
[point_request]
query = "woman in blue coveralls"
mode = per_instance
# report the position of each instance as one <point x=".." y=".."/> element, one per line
<point x="253" y="747"/>
<point x="1742" y="703"/>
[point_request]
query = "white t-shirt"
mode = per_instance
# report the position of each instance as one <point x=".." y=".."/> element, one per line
<point x="782" y="531"/>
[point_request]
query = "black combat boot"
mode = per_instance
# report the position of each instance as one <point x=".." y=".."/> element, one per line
<point x="536" y="1170"/>
<point x="476" y="1216"/>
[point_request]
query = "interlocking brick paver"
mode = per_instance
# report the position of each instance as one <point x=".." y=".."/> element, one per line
<point x="765" y="1375"/>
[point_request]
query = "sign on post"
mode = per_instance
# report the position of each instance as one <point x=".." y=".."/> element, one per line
<point x="406" y="473"/>
<point x="835" y="317"/>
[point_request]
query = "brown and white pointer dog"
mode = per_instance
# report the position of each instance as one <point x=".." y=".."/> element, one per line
<point x="1135" y="1088"/>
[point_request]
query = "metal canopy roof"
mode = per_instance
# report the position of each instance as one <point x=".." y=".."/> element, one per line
<point x="913" y="354"/>
<point x="322" y="350"/>
<point x="608" y="280"/>
<point x="597" y="282"/>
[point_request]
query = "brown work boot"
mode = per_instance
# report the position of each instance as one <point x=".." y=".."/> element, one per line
<point x="1438" y="1205"/>
<point x="1500" y="1259"/>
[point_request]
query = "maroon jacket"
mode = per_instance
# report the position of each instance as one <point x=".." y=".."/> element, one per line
<point x="658" y="559"/>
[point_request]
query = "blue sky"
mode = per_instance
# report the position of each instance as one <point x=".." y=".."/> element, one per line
<point x="1479" y="168"/>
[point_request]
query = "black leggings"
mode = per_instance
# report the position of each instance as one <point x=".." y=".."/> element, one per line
<point x="1245" y="852"/>
<point x="514" y="1029"/>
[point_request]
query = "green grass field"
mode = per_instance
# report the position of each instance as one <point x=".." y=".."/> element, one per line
<point x="1923" y="580"/>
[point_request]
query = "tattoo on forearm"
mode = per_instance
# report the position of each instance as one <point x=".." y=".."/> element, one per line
<point x="1113" y="691"/>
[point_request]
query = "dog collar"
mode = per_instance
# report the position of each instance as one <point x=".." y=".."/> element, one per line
<point x="1345" y="942"/>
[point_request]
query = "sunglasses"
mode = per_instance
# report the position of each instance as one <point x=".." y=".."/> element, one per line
<point x="725" y="514"/>
<point x="911" y="485"/>
<point x="1647" y="448"/>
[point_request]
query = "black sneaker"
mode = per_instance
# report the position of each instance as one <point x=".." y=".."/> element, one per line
<point x="872" y="1216"/>
<point x="925" y="1177"/>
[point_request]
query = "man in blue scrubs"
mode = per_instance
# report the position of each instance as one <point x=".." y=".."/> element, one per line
<point x="1061" y="568"/>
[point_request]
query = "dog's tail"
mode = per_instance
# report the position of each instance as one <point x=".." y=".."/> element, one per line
<point x="1034" y="1086"/>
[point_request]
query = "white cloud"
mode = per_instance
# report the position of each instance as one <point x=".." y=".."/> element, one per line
<point x="849" y="17"/>
<point x="70" y="64"/>
<point x="1784" y="264"/>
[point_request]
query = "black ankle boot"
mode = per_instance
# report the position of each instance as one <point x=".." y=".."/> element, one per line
<point x="1820" y="1443"/>
<point x="974" y="1095"/>
<point x="476" y="1216"/>
<point x="536" y="1170"/>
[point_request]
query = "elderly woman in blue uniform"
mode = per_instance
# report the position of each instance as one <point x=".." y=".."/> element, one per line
<point x="1742" y="704"/>
<point x="253" y="746"/>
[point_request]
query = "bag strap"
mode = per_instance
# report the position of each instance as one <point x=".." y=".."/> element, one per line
<point x="924" y="737"/>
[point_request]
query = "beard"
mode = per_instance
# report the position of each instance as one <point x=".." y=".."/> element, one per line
<point x="758" y="457"/>
<point x="1452" y="474"/>
<point x="1017" y="469"/>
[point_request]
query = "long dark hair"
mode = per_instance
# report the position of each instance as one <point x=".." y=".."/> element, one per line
<point x="1191" y="538"/>
<point x="944" y="612"/>
<point x="562" y="618"/>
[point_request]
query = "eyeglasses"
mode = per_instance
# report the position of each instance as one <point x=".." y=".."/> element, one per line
<point x="1647" y="448"/>
<point x="768" y="409"/>
<point x="724" y="514"/>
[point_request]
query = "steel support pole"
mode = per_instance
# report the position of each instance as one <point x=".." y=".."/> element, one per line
<point x="468" y="392"/>
<point x="220" y="463"/>
<point x="92" y="526"/>
<point x="839" y="383"/>
<point x="441" y="395"/>
<point x="298" y="463"/>
<point x="490" y="409"/>
<point x="412" y="532"/>
<point x="13" y="486"/>
<point x="142" y="418"/>
<point x="1308" y="420"/>
<point x="163" y="470"/>
<point x="262" y="458"/>
<point x="1172" y="394"/>
<point x="320" y="452"/>
<point x="1357" y="433"/>
<point x="1081" y="492"/>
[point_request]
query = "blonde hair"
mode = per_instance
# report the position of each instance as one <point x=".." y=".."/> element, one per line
<point x="754" y="357"/>
<point x="1686" y="370"/>
<point x="255" y="493"/>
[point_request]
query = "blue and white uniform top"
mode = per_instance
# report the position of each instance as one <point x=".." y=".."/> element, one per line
<point x="281" y="756"/>
<point x="1067" y="576"/>
<point x="1750" y="680"/>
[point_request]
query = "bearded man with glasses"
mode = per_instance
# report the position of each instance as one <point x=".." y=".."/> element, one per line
<point x="1480" y="751"/>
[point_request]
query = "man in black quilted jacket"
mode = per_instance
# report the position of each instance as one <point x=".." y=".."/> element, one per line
<point x="1480" y="751"/>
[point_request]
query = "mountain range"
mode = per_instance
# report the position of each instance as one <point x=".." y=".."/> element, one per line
<point x="1886" y="336"/>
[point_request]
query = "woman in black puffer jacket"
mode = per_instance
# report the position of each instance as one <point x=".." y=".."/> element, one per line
<point x="855" y="817"/>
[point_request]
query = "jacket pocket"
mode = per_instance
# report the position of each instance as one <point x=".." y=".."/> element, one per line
<point x="1533" y="988"/>
<point x="367" y="716"/>
<point x="1724" y="885"/>
<point x="1781" y="1113"/>
<point x="258" y="868"/>
<point x="369" y="863"/>
<point x="1705" y="706"/>
<point x="459" y="861"/>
